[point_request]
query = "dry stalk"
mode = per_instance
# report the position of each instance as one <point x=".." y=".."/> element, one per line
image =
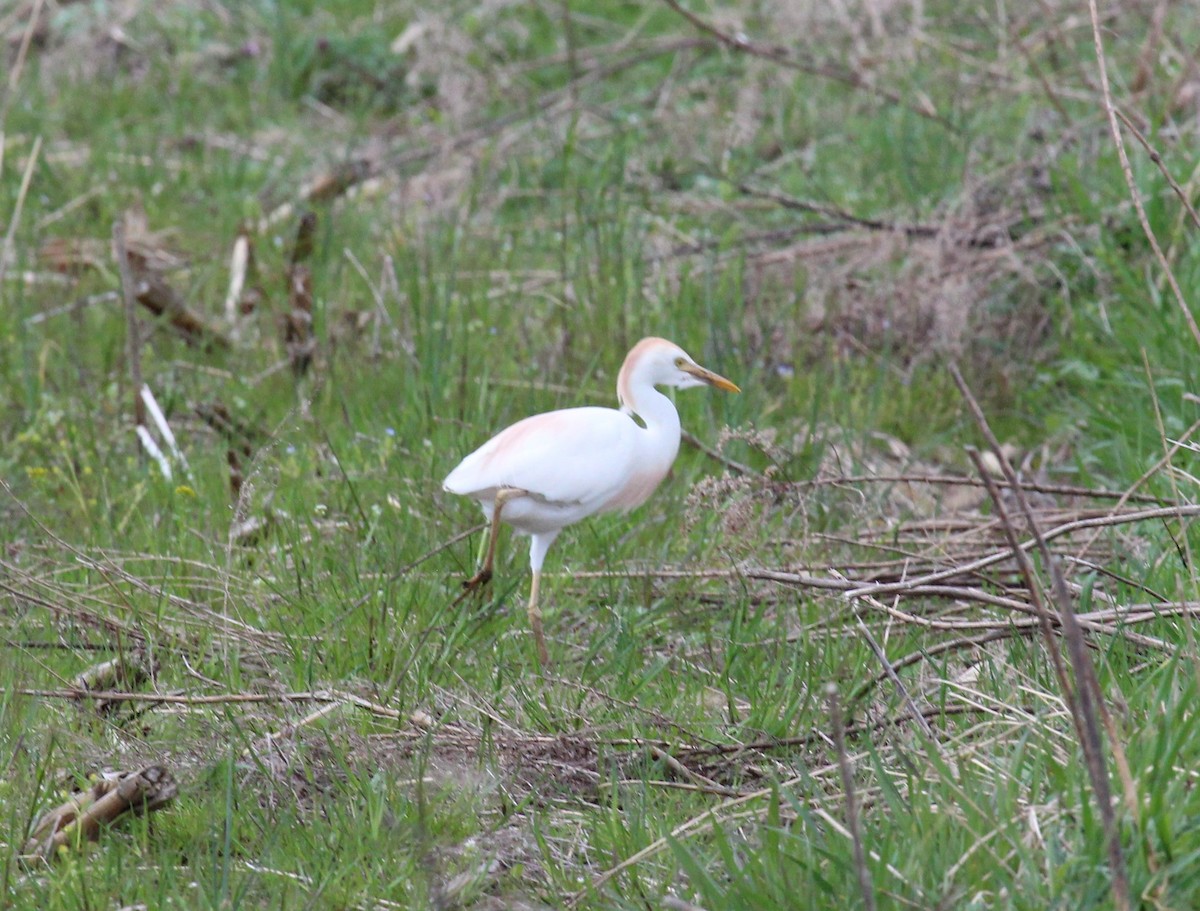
<point x="1102" y="624"/>
<point x="890" y="670"/>
<point x="852" y="820"/>
<point x="241" y="436"/>
<point x="1127" y="170"/>
<point x="14" y="75"/>
<point x="1149" y="52"/>
<point x="1047" y="620"/>
<point x="6" y="249"/>
<point x="133" y="341"/>
<point x="1086" y="701"/>
<point x="1162" y="167"/>
<point x="240" y="261"/>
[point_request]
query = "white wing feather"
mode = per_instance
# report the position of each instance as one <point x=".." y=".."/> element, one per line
<point x="572" y="456"/>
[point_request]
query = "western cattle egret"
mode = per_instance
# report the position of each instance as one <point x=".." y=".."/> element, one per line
<point x="551" y="470"/>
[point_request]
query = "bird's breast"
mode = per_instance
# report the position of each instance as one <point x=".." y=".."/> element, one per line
<point x="636" y="489"/>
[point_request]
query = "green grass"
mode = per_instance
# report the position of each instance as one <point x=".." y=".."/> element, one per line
<point x="551" y="182"/>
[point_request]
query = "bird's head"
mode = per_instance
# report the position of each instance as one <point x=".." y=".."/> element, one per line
<point x="658" y="362"/>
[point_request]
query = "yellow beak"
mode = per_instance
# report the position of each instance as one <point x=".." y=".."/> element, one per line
<point x="707" y="376"/>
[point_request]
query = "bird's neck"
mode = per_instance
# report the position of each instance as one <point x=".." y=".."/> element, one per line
<point x="658" y="413"/>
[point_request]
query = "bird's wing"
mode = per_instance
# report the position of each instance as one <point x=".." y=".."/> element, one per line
<point x="569" y="456"/>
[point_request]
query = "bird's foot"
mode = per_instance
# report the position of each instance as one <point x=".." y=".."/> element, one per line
<point x="474" y="584"/>
<point x="479" y="580"/>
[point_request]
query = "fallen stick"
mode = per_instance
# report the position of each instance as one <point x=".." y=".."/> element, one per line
<point x="84" y="815"/>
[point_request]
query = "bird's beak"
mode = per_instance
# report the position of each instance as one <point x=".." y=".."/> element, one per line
<point x="707" y="376"/>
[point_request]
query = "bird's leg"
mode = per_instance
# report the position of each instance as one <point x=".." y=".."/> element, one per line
<point x="484" y="575"/>
<point x="539" y="543"/>
<point x="535" y="620"/>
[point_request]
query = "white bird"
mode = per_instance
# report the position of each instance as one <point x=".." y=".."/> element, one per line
<point x="551" y="470"/>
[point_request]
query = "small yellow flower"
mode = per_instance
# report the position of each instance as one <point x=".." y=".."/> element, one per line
<point x="184" y="491"/>
<point x="35" y="472"/>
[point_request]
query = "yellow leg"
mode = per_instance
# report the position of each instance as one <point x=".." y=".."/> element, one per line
<point x="535" y="620"/>
<point x="484" y="576"/>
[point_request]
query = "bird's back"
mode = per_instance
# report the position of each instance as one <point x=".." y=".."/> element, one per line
<point x="594" y="459"/>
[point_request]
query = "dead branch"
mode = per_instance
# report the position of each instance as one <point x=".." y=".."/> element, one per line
<point x="156" y="295"/>
<point x="84" y="815"/>
<point x="1106" y="521"/>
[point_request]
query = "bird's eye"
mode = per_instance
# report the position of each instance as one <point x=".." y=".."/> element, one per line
<point x="679" y="362"/>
